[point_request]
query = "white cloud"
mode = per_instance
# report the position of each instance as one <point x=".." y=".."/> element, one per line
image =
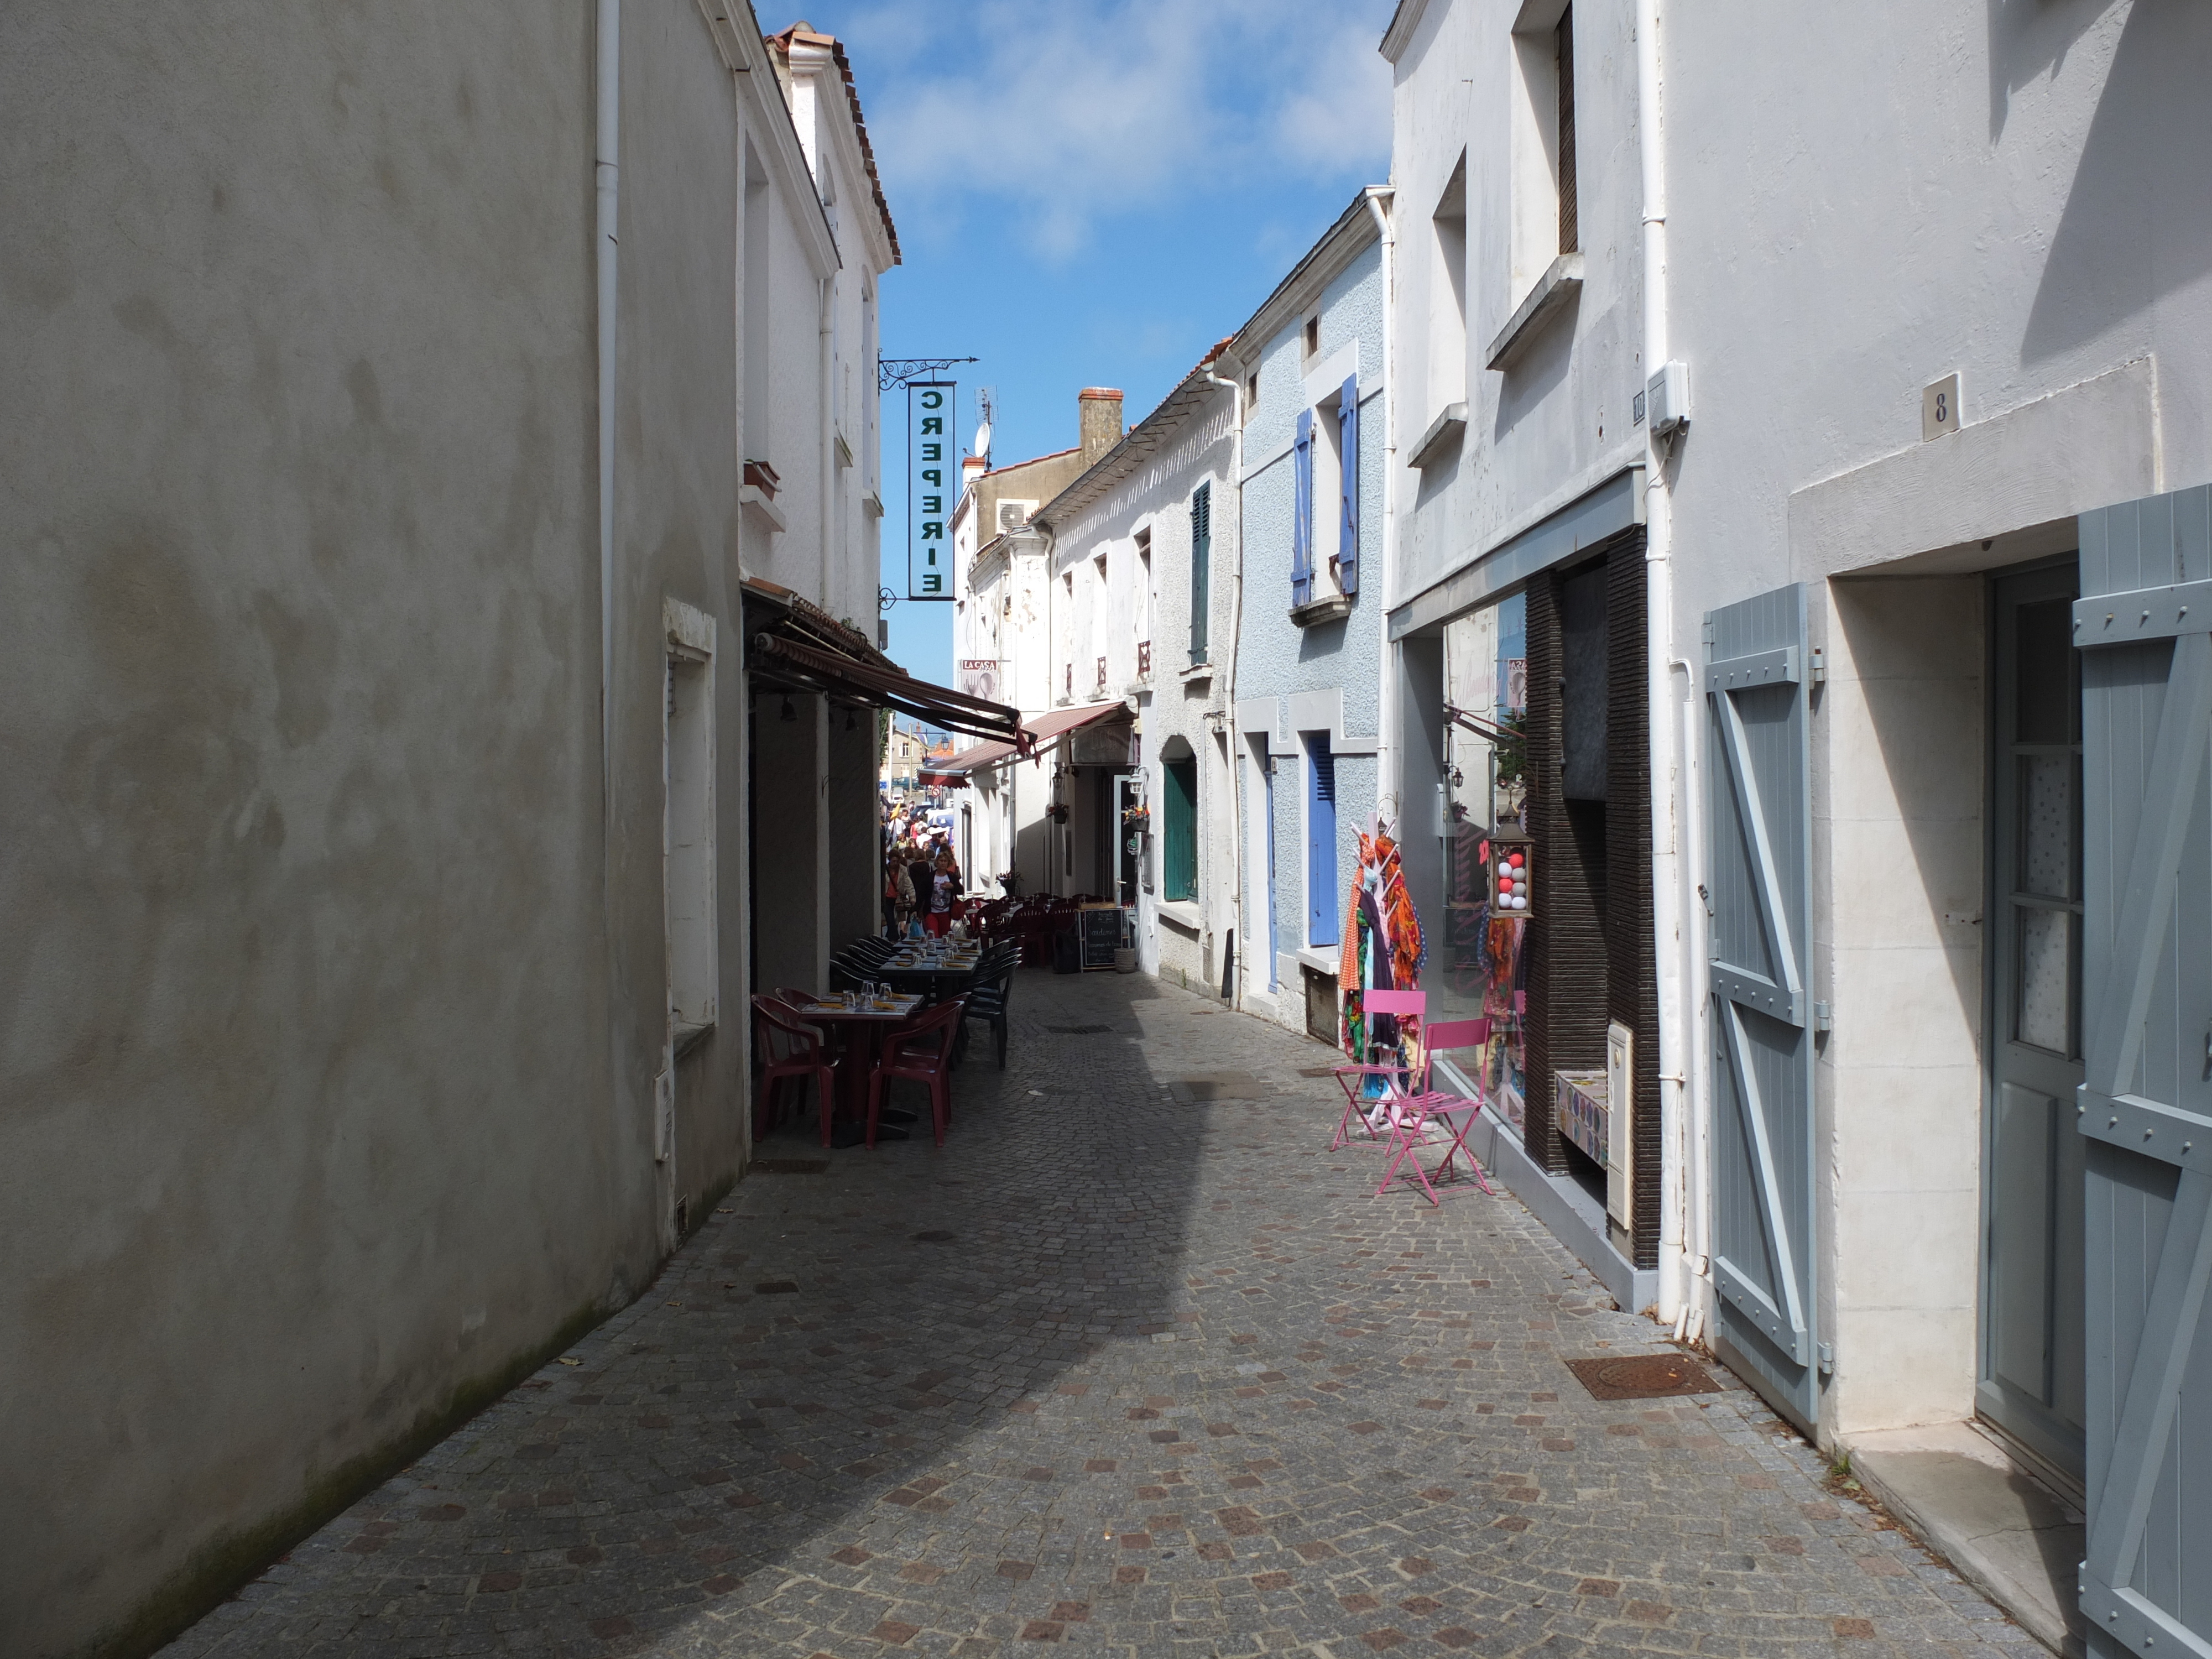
<point x="1068" y="113"/>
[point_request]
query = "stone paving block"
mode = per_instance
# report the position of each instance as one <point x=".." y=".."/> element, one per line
<point x="1128" y="1368"/>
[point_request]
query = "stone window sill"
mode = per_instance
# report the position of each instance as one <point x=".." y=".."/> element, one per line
<point x="1183" y="914"/>
<point x="1335" y="608"/>
<point x="1546" y="302"/>
<point x="1441" y="442"/>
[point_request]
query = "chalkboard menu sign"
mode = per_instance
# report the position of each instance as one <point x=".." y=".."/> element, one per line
<point x="1099" y="929"/>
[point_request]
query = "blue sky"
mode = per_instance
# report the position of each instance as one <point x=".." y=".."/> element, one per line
<point x="1091" y="192"/>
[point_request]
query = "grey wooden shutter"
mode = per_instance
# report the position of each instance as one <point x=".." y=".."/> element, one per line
<point x="1759" y="877"/>
<point x="1302" y="536"/>
<point x="1348" y="487"/>
<point x="2142" y="624"/>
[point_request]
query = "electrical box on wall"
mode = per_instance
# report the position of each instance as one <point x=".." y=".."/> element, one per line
<point x="1667" y="398"/>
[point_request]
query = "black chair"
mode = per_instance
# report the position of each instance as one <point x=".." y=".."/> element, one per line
<point x="987" y="1001"/>
<point x="870" y="949"/>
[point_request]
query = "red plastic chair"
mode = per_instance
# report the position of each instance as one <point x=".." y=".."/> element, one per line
<point x="791" y="1050"/>
<point x="1457" y="1113"/>
<point x="920" y="1050"/>
<point x="1398" y="1082"/>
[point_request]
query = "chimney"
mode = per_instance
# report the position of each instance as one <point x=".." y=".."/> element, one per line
<point x="1099" y="408"/>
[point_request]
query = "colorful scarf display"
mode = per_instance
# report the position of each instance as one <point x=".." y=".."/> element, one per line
<point x="1383" y="950"/>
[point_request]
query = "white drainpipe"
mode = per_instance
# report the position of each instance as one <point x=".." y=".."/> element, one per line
<point x="1674" y="851"/>
<point x="1236" y="636"/>
<point x="1387" y="720"/>
<point x="609" y="113"/>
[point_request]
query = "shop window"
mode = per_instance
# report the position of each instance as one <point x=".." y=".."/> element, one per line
<point x="1178" y="829"/>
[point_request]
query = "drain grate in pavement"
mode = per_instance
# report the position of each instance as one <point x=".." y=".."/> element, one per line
<point x="775" y="1287"/>
<point x="791" y="1166"/>
<point x="936" y="1236"/>
<point x="1080" y="1031"/>
<point x="1641" y="1377"/>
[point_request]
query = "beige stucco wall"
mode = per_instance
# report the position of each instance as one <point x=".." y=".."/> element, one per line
<point x="1899" y="769"/>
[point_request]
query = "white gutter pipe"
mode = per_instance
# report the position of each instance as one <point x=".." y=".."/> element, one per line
<point x="1680" y="1186"/>
<point x="608" y="74"/>
<point x="1236" y="638"/>
<point x="1387" y="721"/>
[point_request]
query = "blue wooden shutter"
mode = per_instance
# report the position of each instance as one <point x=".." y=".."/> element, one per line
<point x="1201" y="557"/>
<point x="1348" y="487"/>
<point x="2146" y="995"/>
<point x="1302" y="537"/>
<point x="1759" y="820"/>
<point x="1321" y="842"/>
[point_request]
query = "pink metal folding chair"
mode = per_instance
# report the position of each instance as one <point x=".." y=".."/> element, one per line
<point x="1455" y="1113"/>
<point x="1397" y="1082"/>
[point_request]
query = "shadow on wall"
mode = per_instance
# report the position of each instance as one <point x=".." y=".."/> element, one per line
<point x="2133" y="229"/>
<point x="1905" y="644"/>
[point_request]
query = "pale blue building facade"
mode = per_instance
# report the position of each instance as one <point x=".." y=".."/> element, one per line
<point x="1309" y="366"/>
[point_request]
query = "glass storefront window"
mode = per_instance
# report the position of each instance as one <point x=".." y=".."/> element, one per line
<point x="1475" y="957"/>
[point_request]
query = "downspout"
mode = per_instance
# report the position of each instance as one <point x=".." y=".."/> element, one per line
<point x="1387" y="711"/>
<point x="610" y="131"/>
<point x="1680" y="1187"/>
<point x="1235" y="639"/>
<point x="827" y="371"/>
<point x="608" y="78"/>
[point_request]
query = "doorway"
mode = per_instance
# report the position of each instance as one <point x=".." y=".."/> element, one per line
<point x="2031" y="1379"/>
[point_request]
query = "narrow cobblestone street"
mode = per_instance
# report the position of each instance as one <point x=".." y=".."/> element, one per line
<point x="1133" y="1365"/>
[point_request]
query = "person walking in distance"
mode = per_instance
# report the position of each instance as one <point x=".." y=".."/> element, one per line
<point x="944" y="892"/>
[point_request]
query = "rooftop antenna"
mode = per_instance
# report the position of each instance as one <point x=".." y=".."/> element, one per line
<point x="986" y="409"/>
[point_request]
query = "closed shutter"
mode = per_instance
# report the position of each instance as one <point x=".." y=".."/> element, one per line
<point x="1302" y="538"/>
<point x="2146" y="1104"/>
<point x="1179" y="849"/>
<point x="1347" y="491"/>
<point x="1201" y="559"/>
<point x="1320" y="843"/>
<point x="1570" y="227"/>
<point x="1759" y="859"/>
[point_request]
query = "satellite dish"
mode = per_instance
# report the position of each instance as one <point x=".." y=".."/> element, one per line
<point x="983" y="441"/>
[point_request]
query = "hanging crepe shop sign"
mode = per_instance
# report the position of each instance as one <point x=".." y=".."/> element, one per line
<point x="931" y="486"/>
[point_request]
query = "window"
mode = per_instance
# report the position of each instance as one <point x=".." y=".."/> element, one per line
<point x="1563" y="72"/>
<point x="1178" y="829"/>
<point x="1302" y="501"/>
<point x="1546" y="222"/>
<point x="1313" y="335"/>
<point x="1447" y="363"/>
<point x="688" y="824"/>
<point x="1201" y="555"/>
<point x="1144" y="598"/>
<point x="1321" y="840"/>
<point x="1251" y="391"/>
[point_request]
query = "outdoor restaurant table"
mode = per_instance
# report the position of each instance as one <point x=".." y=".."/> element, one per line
<point x="938" y="974"/>
<point x="860" y="1031"/>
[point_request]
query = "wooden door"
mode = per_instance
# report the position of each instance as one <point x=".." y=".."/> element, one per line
<point x="1759" y="898"/>
<point x="2145" y="1105"/>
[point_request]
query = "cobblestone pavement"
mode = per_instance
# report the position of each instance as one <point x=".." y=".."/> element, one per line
<point x="1135" y="1365"/>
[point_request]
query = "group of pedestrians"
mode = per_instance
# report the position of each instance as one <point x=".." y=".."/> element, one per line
<point x="917" y="883"/>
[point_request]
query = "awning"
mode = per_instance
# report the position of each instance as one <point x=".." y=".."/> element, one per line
<point x="969" y="761"/>
<point x="1066" y="720"/>
<point x="797" y="646"/>
<point x="943" y="779"/>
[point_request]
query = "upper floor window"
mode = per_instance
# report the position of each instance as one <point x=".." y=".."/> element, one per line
<point x="1201" y="558"/>
<point x="1447" y="358"/>
<point x="1545" y="221"/>
<point x="1325" y="506"/>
